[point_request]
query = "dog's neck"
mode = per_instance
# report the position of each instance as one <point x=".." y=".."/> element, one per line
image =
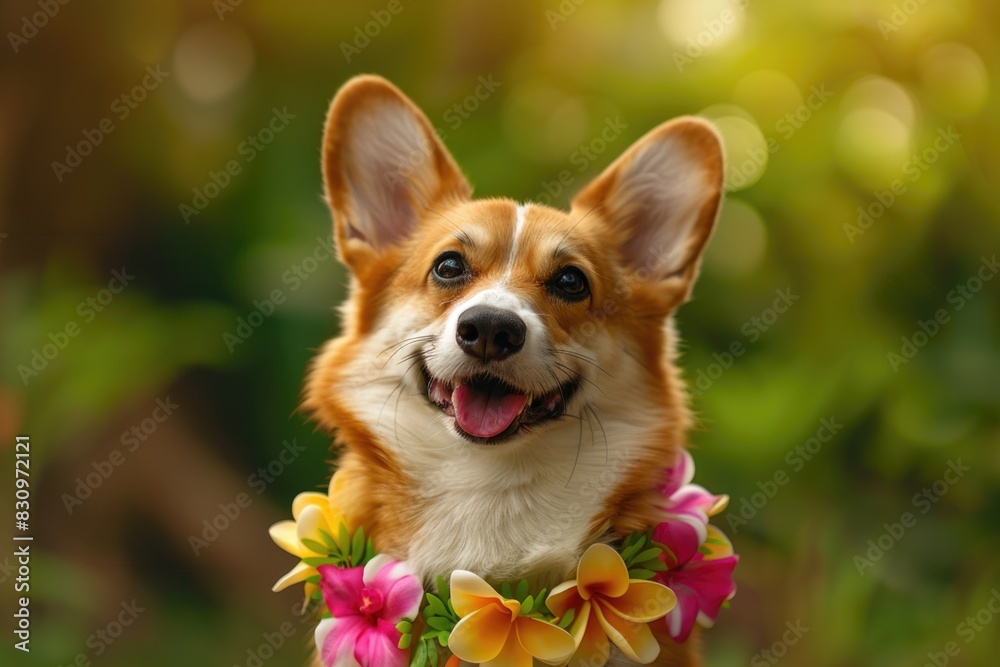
<point x="522" y="512"/>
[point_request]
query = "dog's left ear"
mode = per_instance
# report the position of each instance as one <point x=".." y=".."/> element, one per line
<point x="383" y="166"/>
<point x="661" y="198"/>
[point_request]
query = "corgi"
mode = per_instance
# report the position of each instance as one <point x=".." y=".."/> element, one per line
<point x="504" y="390"/>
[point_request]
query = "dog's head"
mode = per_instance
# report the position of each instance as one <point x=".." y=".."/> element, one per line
<point x="493" y="326"/>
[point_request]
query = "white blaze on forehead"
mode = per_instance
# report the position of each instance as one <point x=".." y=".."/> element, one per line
<point x="519" y="216"/>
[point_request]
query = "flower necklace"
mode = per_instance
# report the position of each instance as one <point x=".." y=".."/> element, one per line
<point x="375" y="612"/>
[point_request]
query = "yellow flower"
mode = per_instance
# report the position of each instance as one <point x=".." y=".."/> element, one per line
<point x="313" y="512"/>
<point x="610" y="606"/>
<point x="493" y="633"/>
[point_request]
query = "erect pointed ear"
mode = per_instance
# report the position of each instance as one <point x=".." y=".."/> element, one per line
<point x="661" y="198"/>
<point x="383" y="166"/>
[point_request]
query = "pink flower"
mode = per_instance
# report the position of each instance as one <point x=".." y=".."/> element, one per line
<point x="688" y="502"/>
<point x="366" y="604"/>
<point x="700" y="574"/>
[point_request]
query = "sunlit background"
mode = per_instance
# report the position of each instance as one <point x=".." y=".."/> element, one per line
<point x="863" y="170"/>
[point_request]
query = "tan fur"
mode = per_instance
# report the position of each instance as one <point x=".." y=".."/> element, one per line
<point x="630" y="303"/>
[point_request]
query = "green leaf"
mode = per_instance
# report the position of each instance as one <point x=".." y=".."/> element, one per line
<point x="432" y="654"/>
<point x="315" y="546"/>
<point x="443" y="588"/>
<point x="329" y="541"/>
<point x="419" y="656"/>
<point x="358" y="546"/>
<point x="656" y="565"/>
<point x="343" y="539"/>
<point x="369" y="550"/>
<point x="639" y="573"/>
<point x="434" y="603"/>
<point x="527" y="605"/>
<point x="439" y="623"/>
<point x="522" y="590"/>
<point x="648" y="554"/>
<point x="633" y="549"/>
<point x="316" y="561"/>
<point x="506" y="591"/>
<point x="567" y="619"/>
<point x="404" y="626"/>
<point x="404" y="641"/>
<point x="443" y="637"/>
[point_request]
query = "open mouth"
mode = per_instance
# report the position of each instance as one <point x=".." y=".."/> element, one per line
<point x="487" y="410"/>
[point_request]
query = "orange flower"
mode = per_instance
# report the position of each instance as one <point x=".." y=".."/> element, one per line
<point x="610" y="606"/>
<point x="493" y="633"/>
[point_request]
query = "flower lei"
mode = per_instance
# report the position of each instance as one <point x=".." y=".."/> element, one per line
<point x="375" y="612"/>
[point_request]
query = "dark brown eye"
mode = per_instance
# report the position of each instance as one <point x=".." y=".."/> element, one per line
<point x="450" y="268"/>
<point x="569" y="284"/>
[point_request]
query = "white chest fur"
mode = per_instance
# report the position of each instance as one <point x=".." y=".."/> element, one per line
<point x="508" y="515"/>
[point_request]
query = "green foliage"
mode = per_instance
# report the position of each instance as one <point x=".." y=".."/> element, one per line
<point x="345" y="550"/>
<point x="642" y="555"/>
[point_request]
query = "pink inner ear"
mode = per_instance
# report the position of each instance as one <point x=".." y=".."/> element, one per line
<point x="392" y="166"/>
<point x="396" y="215"/>
<point x="661" y="199"/>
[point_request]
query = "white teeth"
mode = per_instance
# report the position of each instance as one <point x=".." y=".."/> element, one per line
<point x="439" y="392"/>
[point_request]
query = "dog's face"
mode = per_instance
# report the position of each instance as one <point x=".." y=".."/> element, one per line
<point x="494" y="326"/>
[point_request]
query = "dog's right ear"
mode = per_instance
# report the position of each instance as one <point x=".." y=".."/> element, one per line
<point x="383" y="166"/>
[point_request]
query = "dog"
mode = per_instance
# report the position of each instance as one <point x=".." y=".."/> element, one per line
<point x="504" y="390"/>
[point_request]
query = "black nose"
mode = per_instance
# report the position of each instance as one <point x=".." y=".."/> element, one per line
<point x="489" y="333"/>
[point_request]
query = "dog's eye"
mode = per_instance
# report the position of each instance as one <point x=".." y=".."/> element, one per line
<point x="450" y="268"/>
<point x="570" y="284"/>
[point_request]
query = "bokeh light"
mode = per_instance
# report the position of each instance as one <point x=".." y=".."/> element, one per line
<point x="955" y="79"/>
<point x="745" y="146"/>
<point x="212" y="61"/>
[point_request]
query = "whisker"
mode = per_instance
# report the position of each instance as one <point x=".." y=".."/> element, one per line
<point x="405" y="341"/>
<point x="578" y="375"/>
<point x="581" y="357"/>
<point x="605" y="433"/>
<point x="579" y="448"/>
<point x="399" y="386"/>
<point x="400" y="347"/>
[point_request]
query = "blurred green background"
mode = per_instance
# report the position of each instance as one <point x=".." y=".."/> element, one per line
<point x="863" y="142"/>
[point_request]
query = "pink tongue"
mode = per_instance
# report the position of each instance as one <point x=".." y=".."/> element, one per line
<point x="486" y="412"/>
